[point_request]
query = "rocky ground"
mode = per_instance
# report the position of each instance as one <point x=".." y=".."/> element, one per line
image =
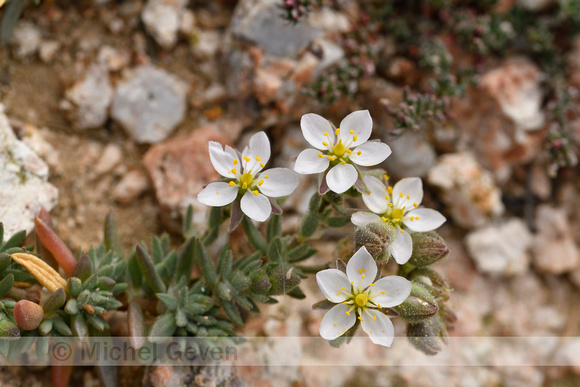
<point x="109" y="106"/>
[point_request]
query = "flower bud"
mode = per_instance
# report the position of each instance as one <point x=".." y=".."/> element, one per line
<point x="377" y="238"/>
<point x="424" y="335"/>
<point x="28" y="315"/>
<point x="419" y="305"/>
<point x="261" y="282"/>
<point x="428" y="248"/>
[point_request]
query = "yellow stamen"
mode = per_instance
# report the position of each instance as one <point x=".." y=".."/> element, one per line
<point x="334" y="324"/>
<point x="244" y="186"/>
<point x="348" y="151"/>
<point x="401" y="194"/>
<point x="256" y="192"/>
<point x="331" y="158"/>
<point x="342" y="289"/>
<point x="358" y="153"/>
<point x="235" y="161"/>
<point x="348" y="312"/>
<point x="258" y="158"/>
<point x="390" y="190"/>
<point x="343" y="162"/>
<point x="320" y="155"/>
<point x="362" y="276"/>
<point x="231" y="184"/>
<point x="261" y="182"/>
<point x="354" y="137"/>
<point x="337" y="131"/>
<point x="351" y="131"/>
<point x="381" y="293"/>
<point x="383" y="218"/>
<point x="234" y="170"/>
<point x="324" y="143"/>
<point x="416" y="217"/>
<point x="326" y="133"/>
<point x="217" y="192"/>
<point x="374" y="319"/>
<point x="262" y="165"/>
<point x="360" y="318"/>
<point x="266" y="176"/>
<point x="408" y="197"/>
<point x="402" y="232"/>
<point x="247" y="159"/>
<point x="415" y="205"/>
<point x="390" y="204"/>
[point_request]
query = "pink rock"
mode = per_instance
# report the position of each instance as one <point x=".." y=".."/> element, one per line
<point x="179" y="168"/>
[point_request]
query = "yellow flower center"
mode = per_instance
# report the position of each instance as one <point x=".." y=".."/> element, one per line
<point x="339" y="149"/>
<point x="397" y="214"/>
<point x="361" y="299"/>
<point x="247" y="179"/>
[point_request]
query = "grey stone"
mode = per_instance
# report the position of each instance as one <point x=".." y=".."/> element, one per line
<point x="259" y="22"/>
<point x="24" y="187"/>
<point x="412" y="156"/>
<point x="149" y="104"/>
<point x="87" y="102"/>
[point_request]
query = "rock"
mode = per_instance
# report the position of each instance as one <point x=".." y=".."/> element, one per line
<point x="468" y="190"/>
<point x="115" y="59"/>
<point x="149" y="104"/>
<point x="207" y="44"/>
<point x="554" y="248"/>
<point x="412" y="156"/>
<point x="131" y="186"/>
<point x="111" y="157"/>
<point x="500" y="130"/>
<point x="516" y="87"/>
<point x="535" y="5"/>
<point x="24" y="187"/>
<point x="86" y="103"/>
<point x="259" y="22"/>
<point x="179" y="168"/>
<point x="330" y="21"/>
<point x="48" y="50"/>
<point x="25" y="38"/>
<point x="162" y="20"/>
<point x="501" y="250"/>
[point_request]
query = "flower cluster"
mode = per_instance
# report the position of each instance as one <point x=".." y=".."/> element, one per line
<point x="395" y="221"/>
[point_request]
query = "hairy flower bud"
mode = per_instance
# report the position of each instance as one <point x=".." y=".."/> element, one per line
<point x="28" y="315"/>
<point x="419" y="305"/>
<point x="8" y="330"/>
<point x="377" y="238"/>
<point x="424" y="335"/>
<point x="428" y="248"/>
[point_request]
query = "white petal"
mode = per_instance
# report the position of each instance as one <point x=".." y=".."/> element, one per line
<point x="222" y="161"/>
<point x="257" y="207"/>
<point x="402" y="247"/>
<point x="428" y="219"/>
<point x="280" y="182"/>
<point x="333" y="283"/>
<point x="371" y="153"/>
<point x="407" y="192"/>
<point x="361" y="123"/>
<point x="308" y="162"/>
<point x="313" y="129"/>
<point x="258" y="151"/>
<point x="361" y="269"/>
<point x="336" y="322"/>
<point x="376" y="201"/>
<point x="218" y="194"/>
<point x="379" y="327"/>
<point x="341" y="177"/>
<point x="394" y="290"/>
<point x="361" y="218"/>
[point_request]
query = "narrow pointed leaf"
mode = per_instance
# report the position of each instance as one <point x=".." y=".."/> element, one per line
<point x="163" y="327"/>
<point x="205" y="264"/>
<point x="15" y="240"/>
<point x="148" y="270"/>
<point x="274" y="227"/>
<point x="185" y="261"/>
<point x="232" y="313"/>
<point x="136" y="325"/>
<point x="111" y="236"/>
<point x="6" y="284"/>
<point x="56" y="246"/>
<point x="55" y="301"/>
<point x="83" y="269"/>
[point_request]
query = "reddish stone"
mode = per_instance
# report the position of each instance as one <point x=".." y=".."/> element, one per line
<point x="179" y="168"/>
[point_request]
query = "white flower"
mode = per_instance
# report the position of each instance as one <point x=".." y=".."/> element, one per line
<point x="358" y="297"/>
<point x="340" y="149"/>
<point x="398" y="205"/>
<point x="243" y="178"/>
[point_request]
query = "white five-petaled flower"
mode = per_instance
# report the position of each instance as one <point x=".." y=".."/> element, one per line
<point x="243" y="177"/>
<point x="357" y="296"/>
<point x="398" y="205"/>
<point x="339" y="149"/>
